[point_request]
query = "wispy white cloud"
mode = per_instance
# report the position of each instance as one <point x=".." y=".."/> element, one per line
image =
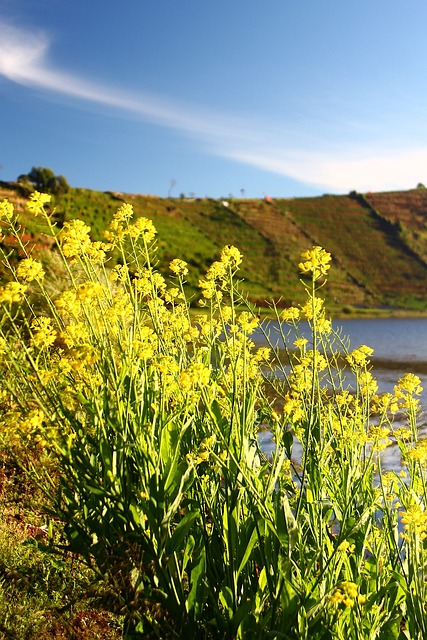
<point x="24" y="60"/>
<point x="363" y="170"/>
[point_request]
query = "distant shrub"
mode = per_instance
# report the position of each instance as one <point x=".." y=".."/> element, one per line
<point x="44" y="179"/>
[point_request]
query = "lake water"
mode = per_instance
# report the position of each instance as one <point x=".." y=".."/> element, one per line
<point x="400" y="346"/>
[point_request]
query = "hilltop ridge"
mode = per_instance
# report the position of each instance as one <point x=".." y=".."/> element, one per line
<point x="378" y="241"/>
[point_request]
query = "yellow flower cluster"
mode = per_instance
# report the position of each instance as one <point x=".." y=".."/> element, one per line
<point x="346" y="594"/>
<point x="37" y="202"/>
<point x="219" y="271"/>
<point x="359" y="357"/>
<point x="119" y="227"/>
<point x="12" y="292"/>
<point x="6" y="210"/>
<point x="291" y="314"/>
<point x="179" y="267"/>
<point x="75" y="238"/>
<point x="418" y="453"/>
<point x="29" y="270"/>
<point x="315" y="261"/>
<point x="44" y="335"/>
<point x="414" y="520"/>
<point x="410" y="384"/>
<point x="143" y="227"/>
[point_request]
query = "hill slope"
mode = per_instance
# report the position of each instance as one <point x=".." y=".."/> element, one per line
<point x="378" y="241"/>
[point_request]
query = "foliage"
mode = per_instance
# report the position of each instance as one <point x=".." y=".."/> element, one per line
<point x="146" y="425"/>
<point x="44" y="179"/>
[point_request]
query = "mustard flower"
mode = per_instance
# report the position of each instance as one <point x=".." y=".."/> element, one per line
<point x="315" y="261"/>
<point x="409" y="383"/>
<point x="33" y="421"/>
<point x="76" y="334"/>
<point x="359" y="357"/>
<point x="217" y="271"/>
<point x="29" y="270"/>
<point x="120" y="272"/>
<point x="179" y="267"/>
<point x="314" y="308"/>
<point x="142" y="227"/>
<point x="419" y="452"/>
<point x="248" y="322"/>
<point x="12" y="292"/>
<point x="346" y="547"/>
<point x="208" y="288"/>
<point x="231" y="256"/>
<point x="44" y="334"/>
<point x="123" y="213"/>
<point x="75" y="238"/>
<point x="6" y="210"/>
<point x="414" y="520"/>
<point x="368" y="384"/>
<point x="346" y="594"/>
<point x="68" y="303"/>
<point x="300" y="343"/>
<point x="37" y="201"/>
<point x="291" y="314"/>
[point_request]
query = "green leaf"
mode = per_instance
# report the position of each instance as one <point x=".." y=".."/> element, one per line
<point x="196" y="576"/>
<point x="286" y="525"/>
<point x="226" y="599"/>
<point x="250" y="545"/>
<point x="174" y="543"/>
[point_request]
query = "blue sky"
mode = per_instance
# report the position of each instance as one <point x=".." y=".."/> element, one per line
<point x="278" y="97"/>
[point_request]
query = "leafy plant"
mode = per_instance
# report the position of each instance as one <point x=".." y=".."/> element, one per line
<point x="146" y="421"/>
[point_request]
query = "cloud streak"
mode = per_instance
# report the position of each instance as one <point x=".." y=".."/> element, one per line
<point x="24" y="60"/>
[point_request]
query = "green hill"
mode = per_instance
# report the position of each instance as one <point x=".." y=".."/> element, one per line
<point x="378" y="240"/>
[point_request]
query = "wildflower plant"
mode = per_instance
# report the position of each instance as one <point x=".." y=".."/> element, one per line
<point x="140" y="418"/>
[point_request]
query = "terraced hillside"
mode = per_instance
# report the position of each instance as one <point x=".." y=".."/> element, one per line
<point x="407" y="211"/>
<point x="378" y="241"/>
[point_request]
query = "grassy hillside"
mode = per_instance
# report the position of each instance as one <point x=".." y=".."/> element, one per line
<point x="378" y="241"/>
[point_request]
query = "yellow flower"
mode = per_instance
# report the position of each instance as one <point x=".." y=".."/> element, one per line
<point x="44" y="334"/>
<point x="76" y="334"/>
<point x="12" y="292"/>
<point x="37" y="201"/>
<point x="324" y="326"/>
<point x="290" y="315"/>
<point x="410" y="383"/>
<point x="68" y="303"/>
<point x="315" y="261"/>
<point x="414" y="520"/>
<point x="346" y="594"/>
<point x="248" y="322"/>
<point x="346" y="547"/>
<point x="120" y="272"/>
<point x="231" y="256"/>
<point x="208" y="288"/>
<point x="300" y="343"/>
<point x="179" y="267"/>
<point x="75" y="238"/>
<point x="419" y="452"/>
<point x="368" y="384"/>
<point x="29" y="269"/>
<point x="123" y="213"/>
<point x="6" y="210"/>
<point x="314" y="308"/>
<point x="142" y="227"/>
<point x="217" y="271"/>
<point x="359" y="357"/>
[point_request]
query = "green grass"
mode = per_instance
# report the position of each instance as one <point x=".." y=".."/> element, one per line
<point x="43" y="594"/>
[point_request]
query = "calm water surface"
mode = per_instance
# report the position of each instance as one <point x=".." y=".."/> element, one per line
<point x="400" y="346"/>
